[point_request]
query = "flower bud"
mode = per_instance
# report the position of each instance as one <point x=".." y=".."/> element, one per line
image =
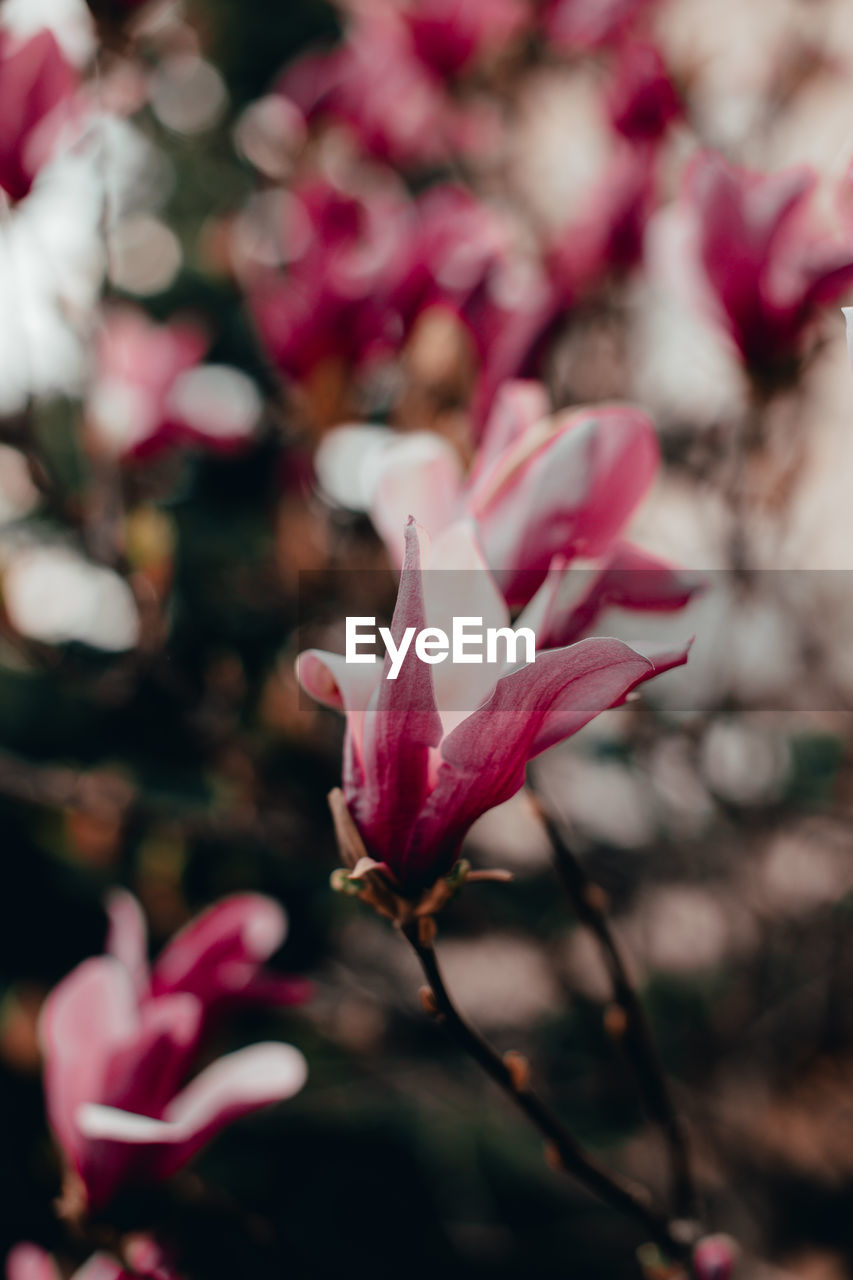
<point x="714" y="1258"/>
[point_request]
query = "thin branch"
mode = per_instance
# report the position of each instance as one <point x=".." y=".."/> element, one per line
<point x="511" y="1077"/>
<point x="588" y="905"/>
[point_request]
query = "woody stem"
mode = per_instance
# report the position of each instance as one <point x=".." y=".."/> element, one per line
<point x="588" y="905"/>
<point x="609" y="1187"/>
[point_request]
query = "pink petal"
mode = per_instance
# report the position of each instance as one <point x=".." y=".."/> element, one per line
<point x="518" y="406"/>
<point x="420" y="476"/>
<point x="401" y="726"/>
<point x="484" y="759"/>
<point x="567" y="489"/>
<point x="629" y="578"/>
<point x="29" y="1262"/>
<point x="85" y="1019"/>
<point x="231" y="1087"/>
<point x="127" y="936"/>
<point x="218" y="956"/>
<point x="458" y="584"/>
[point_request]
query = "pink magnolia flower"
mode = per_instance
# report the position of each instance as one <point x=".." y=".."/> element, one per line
<point x="29" y="1262"/>
<point x="349" y="250"/>
<point x="642" y="101"/>
<point x="150" y="389"/>
<point x="118" y="1048"/>
<point x="219" y="956"/>
<point x="541" y="487"/>
<point x="427" y="753"/>
<point x="36" y="89"/>
<point x="767" y="269"/>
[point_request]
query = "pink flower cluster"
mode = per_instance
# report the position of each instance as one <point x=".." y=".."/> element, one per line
<point x="428" y="753"/>
<point x="387" y="82"/>
<point x="120" y="1040"/>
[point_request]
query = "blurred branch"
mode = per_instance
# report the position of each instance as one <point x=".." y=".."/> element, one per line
<point x="510" y="1073"/>
<point x="588" y="904"/>
<point x="103" y="793"/>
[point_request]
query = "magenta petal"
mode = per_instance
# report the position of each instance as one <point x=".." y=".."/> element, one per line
<point x="231" y="1087"/>
<point x="400" y="727"/>
<point x="127" y="937"/>
<point x="29" y="1262"/>
<point x="569" y="495"/>
<point x="242" y="931"/>
<point x="630" y="578"/>
<point x="87" y="1017"/>
<point x="484" y="758"/>
<point x="35" y="80"/>
<point x="518" y="406"/>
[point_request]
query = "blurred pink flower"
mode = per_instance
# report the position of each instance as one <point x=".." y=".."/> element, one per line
<point x="348" y="252"/>
<point x="427" y="753"/>
<point x="767" y="268"/>
<point x="386" y="81"/>
<point x="117" y="1050"/>
<point x="449" y="35"/>
<point x="150" y="389"/>
<point x="376" y="85"/>
<point x="29" y="1262"/>
<point x="36" y="83"/>
<point x="714" y="1258"/>
<point x="588" y="24"/>
<point x="542" y="486"/>
<point x="218" y="957"/>
<point x="607" y="239"/>
<point x="641" y="99"/>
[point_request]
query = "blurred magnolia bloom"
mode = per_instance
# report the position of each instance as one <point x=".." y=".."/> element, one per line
<point x="385" y="81"/>
<point x="375" y="84"/>
<point x="37" y="88"/>
<point x="120" y="1040"/>
<point x="150" y="390"/>
<point x="29" y="1262"/>
<point x="767" y="267"/>
<point x="543" y="490"/>
<point x="641" y="99"/>
<point x="450" y="35"/>
<point x="53" y="594"/>
<point x="69" y="21"/>
<point x="218" y="957"/>
<point x="345" y="250"/>
<point x="427" y="753"/>
<point x="587" y="24"/>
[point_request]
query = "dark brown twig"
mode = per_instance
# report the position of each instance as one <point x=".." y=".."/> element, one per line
<point x="588" y="905"/>
<point x="511" y="1076"/>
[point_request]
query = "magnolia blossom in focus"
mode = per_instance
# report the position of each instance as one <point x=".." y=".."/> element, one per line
<point x="29" y="1262"/>
<point x="150" y="389"/>
<point x="119" y="1042"/>
<point x="543" y="490"/>
<point x="426" y="754"/>
<point x="37" y="86"/>
<point x="768" y="269"/>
